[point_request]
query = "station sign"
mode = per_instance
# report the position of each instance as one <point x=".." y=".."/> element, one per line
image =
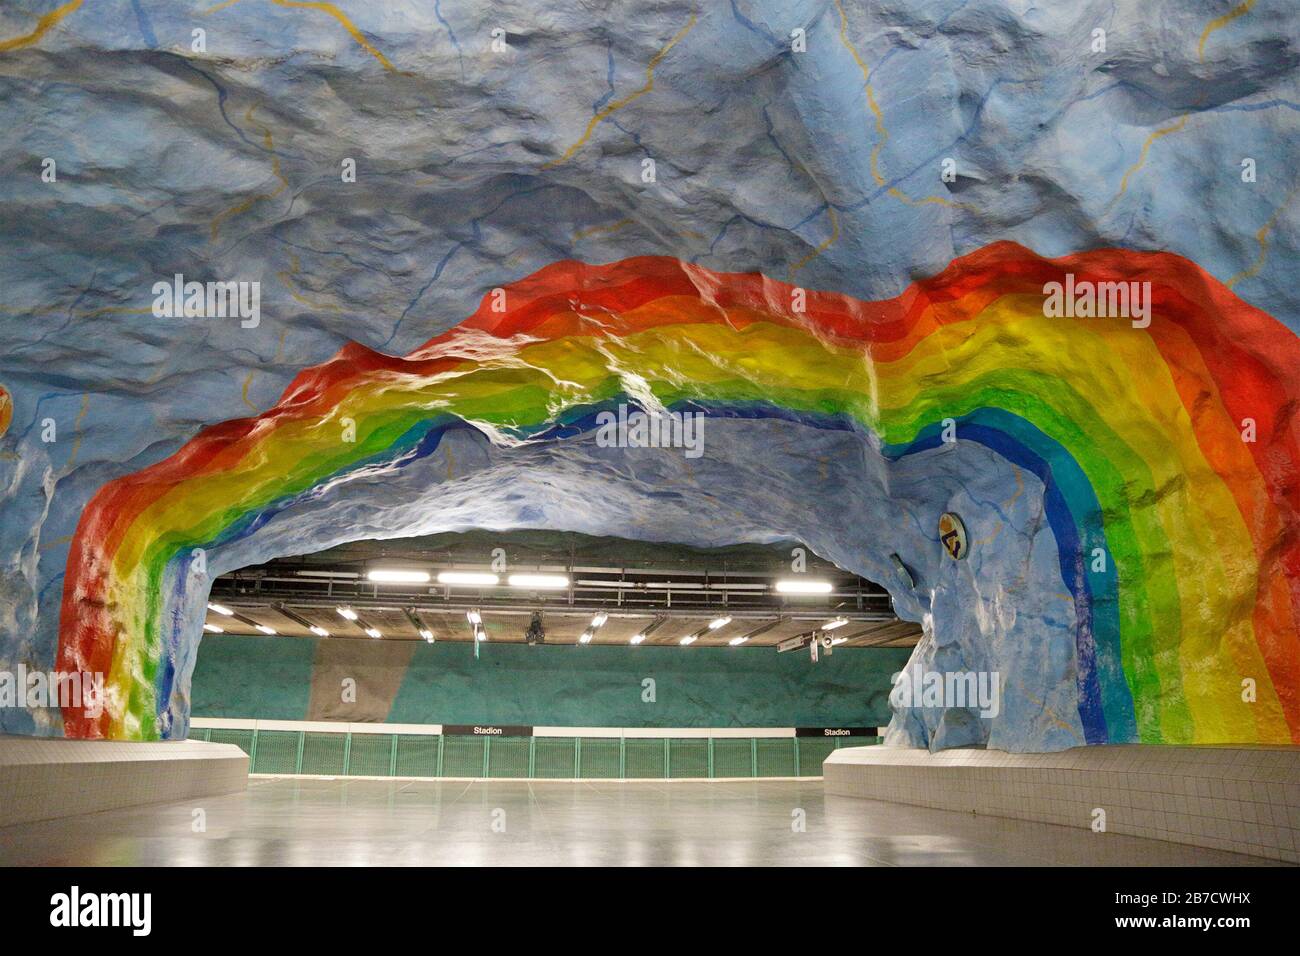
<point x="835" y="732"/>
<point x="486" y="730"/>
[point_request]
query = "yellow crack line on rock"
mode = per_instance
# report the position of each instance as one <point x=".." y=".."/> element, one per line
<point x="1042" y="705"/>
<point x="43" y="26"/>
<point x="286" y="275"/>
<point x="243" y="206"/>
<point x="243" y="392"/>
<point x="834" y="237"/>
<point x="46" y="545"/>
<point x="76" y="426"/>
<point x="1142" y="157"/>
<point x="882" y="134"/>
<point x="348" y="25"/>
<point x="602" y="230"/>
<point x="1262" y="238"/>
<point x="1220" y="22"/>
<point x="617" y="105"/>
<point x="1210" y="27"/>
<point x="334" y="12"/>
<point x="248" y="379"/>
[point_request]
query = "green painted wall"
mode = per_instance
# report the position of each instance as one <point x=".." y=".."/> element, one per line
<point x="237" y="676"/>
<point x="560" y="685"/>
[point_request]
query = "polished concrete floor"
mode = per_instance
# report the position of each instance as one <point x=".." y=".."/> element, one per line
<point x="752" y="823"/>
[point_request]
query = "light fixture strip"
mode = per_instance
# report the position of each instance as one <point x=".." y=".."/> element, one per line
<point x="301" y="621"/>
<point x="398" y="576"/>
<point x="552" y="582"/>
<point x="468" y="578"/>
<point x="249" y="622"/>
<point x="803" y="586"/>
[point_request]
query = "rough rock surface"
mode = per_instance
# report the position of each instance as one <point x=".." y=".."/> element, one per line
<point x="476" y="167"/>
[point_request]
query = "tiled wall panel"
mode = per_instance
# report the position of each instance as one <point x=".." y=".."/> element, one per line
<point x="1244" y="800"/>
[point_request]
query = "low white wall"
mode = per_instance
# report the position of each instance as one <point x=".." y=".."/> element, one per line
<point x="434" y="730"/>
<point x="1241" y="799"/>
<point x="42" y="778"/>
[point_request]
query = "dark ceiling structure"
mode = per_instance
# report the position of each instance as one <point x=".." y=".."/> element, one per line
<point x="493" y="585"/>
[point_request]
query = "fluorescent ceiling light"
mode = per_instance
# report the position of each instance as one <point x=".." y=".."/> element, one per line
<point x="374" y="632"/>
<point x="213" y="629"/>
<point x="467" y="577"/>
<point x="600" y="619"/>
<point x="264" y="629"/>
<point x="474" y="617"/>
<point x="319" y="631"/>
<point x="718" y="622"/>
<point x="221" y="610"/>
<point x="796" y="586"/>
<point x="737" y="640"/>
<point x="688" y="639"/>
<point x="838" y="640"/>
<point x="347" y="612"/>
<point x="832" y="625"/>
<point x="585" y="638"/>
<point x="637" y="639"/>
<point x="398" y="576"/>
<point x="539" y="580"/>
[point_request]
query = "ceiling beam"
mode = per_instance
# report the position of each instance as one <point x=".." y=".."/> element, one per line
<point x="358" y="603"/>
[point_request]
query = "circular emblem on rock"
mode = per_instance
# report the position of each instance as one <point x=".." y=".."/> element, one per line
<point x="952" y="535"/>
<point x="6" y="410"/>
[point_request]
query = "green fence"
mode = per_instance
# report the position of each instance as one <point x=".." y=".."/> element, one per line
<point x="593" y="758"/>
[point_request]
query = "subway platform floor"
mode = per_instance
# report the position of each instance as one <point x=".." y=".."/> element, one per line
<point x="337" y="822"/>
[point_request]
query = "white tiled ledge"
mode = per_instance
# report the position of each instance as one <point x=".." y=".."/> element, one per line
<point x="1240" y="799"/>
<point x="44" y="778"/>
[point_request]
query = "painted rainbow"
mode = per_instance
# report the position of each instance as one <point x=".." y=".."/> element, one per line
<point x="1199" y="525"/>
